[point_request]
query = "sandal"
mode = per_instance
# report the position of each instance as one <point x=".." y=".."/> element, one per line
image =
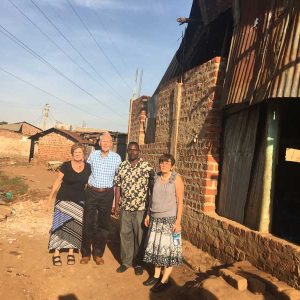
<point x="71" y="259"/>
<point x="56" y="261"/>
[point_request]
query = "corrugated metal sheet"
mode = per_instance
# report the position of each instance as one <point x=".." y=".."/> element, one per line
<point x="239" y="147"/>
<point x="264" y="60"/>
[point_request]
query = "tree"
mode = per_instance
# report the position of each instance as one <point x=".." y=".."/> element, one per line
<point x="3" y="122"/>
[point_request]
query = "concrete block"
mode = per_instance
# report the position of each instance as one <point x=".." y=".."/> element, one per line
<point x="237" y="281"/>
<point x="256" y="286"/>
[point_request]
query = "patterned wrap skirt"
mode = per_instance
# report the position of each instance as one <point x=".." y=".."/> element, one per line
<point x="160" y="247"/>
<point x="66" y="230"/>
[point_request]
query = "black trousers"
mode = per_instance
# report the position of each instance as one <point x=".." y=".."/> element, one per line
<point x="96" y="222"/>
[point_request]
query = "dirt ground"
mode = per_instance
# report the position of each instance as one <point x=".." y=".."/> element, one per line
<point x="26" y="270"/>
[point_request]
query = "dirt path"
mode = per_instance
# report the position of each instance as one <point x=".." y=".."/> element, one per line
<point x="26" y="271"/>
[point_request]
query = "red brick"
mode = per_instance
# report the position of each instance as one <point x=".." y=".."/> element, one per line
<point x="216" y="59"/>
<point x="208" y="208"/>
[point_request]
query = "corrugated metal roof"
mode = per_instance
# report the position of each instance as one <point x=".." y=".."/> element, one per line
<point x="11" y="127"/>
<point x="74" y="136"/>
<point x="16" y="126"/>
<point x="264" y="60"/>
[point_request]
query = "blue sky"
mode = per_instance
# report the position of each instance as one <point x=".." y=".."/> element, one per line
<point x="88" y="53"/>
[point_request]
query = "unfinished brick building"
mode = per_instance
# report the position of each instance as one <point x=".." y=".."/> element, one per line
<point x="224" y="110"/>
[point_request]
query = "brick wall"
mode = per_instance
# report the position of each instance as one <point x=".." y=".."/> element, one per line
<point x="230" y="241"/>
<point x="151" y="153"/>
<point x="197" y="161"/>
<point x="199" y="134"/>
<point x="29" y="130"/>
<point x="54" y="146"/>
<point x="199" y="131"/>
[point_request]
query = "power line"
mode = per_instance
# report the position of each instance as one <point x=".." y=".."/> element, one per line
<point x="96" y="42"/>
<point x="51" y="40"/>
<point x="37" y="120"/>
<point x="36" y="55"/>
<point x="46" y="92"/>
<point x="111" y="41"/>
<point x="74" y="48"/>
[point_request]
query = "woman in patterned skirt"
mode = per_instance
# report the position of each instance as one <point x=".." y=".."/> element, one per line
<point x="66" y="231"/>
<point x="164" y="221"/>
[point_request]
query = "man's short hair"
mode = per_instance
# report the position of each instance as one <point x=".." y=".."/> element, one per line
<point x="133" y="143"/>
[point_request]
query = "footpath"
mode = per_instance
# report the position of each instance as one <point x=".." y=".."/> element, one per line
<point x="26" y="270"/>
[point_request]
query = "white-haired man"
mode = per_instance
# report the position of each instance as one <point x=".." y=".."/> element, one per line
<point x="99" y="198"/>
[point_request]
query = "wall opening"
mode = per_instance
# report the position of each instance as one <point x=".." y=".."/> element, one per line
<point x="286" y="208"/>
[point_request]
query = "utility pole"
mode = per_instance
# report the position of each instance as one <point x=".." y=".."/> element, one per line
<point x="135" y="89"/>
<point x="140" y="84"/>
<point x="45" y="115"/>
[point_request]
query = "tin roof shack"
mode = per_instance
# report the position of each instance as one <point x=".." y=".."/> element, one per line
<point x="259" y="182"/>
<point x="241" y="127"/>
<point x="55" y="145"/>
<point x="92" y="135"/>
<point x="14" y="139"/>
<point x="261" y="86"/>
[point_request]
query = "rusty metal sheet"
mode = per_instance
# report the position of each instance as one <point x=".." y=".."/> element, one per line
<point x="264" y="60"/>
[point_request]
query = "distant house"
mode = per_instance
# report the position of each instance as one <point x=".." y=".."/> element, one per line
<point x="92" y="135"/>
<point x="55" y="144"/>
<point x="14" y="139"/>
<point x="21" y="127"/>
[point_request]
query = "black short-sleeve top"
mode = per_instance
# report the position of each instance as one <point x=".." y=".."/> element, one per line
<point x="73" y="183"/>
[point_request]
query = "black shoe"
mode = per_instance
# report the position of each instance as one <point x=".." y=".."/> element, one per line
<point x="122" y="269"/>
<point x="151" y="280"/>
<point x="138" y="270"/>
<point x="160" y="287"/>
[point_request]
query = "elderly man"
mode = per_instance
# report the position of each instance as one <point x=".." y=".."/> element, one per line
<point x="99" y="198"/>
<point x="132" y="184"/>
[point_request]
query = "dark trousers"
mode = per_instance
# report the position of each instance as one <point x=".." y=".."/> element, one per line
<point x="131" y="235"/>
<point x="96" y="222"/>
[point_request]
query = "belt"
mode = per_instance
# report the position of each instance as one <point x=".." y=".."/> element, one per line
<point x="100" y="190"/>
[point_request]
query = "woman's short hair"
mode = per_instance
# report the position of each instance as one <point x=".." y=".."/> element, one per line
<point x="167" y="157"/>
<point x="77" y="146"/>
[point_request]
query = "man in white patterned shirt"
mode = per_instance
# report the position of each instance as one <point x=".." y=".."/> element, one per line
<point x="99" y="198"/>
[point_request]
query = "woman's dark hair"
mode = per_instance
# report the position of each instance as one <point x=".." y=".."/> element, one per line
<point x="77" y="146"/>
<point x="167" y="157"/>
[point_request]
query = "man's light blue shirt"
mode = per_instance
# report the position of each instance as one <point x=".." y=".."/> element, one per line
<point x="104" y="169"/>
